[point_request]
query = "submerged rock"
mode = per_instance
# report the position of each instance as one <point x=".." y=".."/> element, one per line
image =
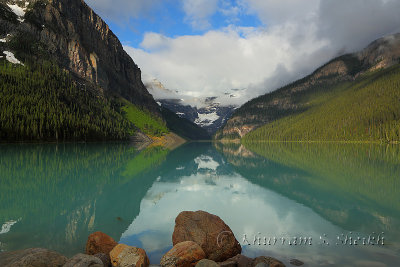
<point x="238" y="261"/>
<point x="269" y="261"/>
<point x="32" y="257"/>
<point x="126" y="256"/>
<point x="209" y="231"/>
<point x="83" y="260"/>
<point x="296" y="262"/>
<point x="243" y="261"/>
<point x="183" y="254"/>
<point x="207" y="263"/>
<point x="99" y="242"/>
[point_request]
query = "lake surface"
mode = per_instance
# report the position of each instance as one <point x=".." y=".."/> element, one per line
<point x="54" y="196"/>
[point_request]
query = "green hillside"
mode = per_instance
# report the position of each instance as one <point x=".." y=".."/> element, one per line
<point x="144" y="120"/>
<point x="366" y="109"/>
<point x="41" y="102"/>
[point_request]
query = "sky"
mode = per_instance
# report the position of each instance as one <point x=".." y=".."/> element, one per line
<point x="239" y="49"/>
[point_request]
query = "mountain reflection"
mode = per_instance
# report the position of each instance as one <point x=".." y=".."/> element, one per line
<point x="54" y="196"/>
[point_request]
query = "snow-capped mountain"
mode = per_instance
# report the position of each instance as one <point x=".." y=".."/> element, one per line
<point x="211" y="117"/>
<point x="207" y="112"/>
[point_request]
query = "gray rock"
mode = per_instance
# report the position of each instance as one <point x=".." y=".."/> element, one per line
<point x="32" y="257"/>
<point x="207" y="263"/>
<point x="83" y="260"/>
<point x="104" y="258"/>
<point x="268" y="261"/>
<point x="262" y="264"/>
<point x="296" y="262"/>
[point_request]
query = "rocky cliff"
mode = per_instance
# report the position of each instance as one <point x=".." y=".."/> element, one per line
<point x="290" y="99"/>
<point x="70" y="33"/>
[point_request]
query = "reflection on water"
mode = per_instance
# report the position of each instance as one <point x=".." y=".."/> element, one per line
<point x="54" y="196"/>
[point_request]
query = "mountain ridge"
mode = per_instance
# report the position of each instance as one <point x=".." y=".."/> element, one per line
<point x="294" y="98"/>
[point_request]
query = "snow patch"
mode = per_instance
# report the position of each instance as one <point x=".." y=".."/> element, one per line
<point x="158" y="103"/>
<point x="11" y="58"/>
<point x="3" y="40"/>
<point x="20" y="12"/>
<point x="206" y="119"/>
<point x="180" y="168"/>
<point x="6" y="227"/>
<point x="180" y="114"/>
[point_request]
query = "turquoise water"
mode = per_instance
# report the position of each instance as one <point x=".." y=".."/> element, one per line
<point x="54" y="196"/>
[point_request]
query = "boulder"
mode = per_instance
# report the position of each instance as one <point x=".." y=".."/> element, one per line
<point x="99" y="242"/>
<point x="105" y="258"/>
<point x="184" y="254"/>
<point x="269" y="261"/>
<point x="126" y="256"/>
<point x="209" y="231"/>
<point x="32" y="257"/>
<point x="207" y="263"/>
<point x="83" y="260"/>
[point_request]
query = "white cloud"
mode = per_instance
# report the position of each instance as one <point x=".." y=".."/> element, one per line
<point x="218" y="61"/>
<point x="198" y="12"/>
<point x="298" y="36"/>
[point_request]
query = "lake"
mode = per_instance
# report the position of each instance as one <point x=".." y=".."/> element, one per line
<point x="274" y="196"/>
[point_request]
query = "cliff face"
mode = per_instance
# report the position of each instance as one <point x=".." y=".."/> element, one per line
<point x="81" y="42"/>
<point x="289" y="100"/>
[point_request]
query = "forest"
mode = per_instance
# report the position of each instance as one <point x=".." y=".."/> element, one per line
<point x="41" y="102"/>
<point x="366" y="109"/>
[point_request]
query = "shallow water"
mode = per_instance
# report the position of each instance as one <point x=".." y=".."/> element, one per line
<point x="54" y="196"/>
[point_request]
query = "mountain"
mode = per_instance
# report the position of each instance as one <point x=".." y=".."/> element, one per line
<point x="184" y="127"/>
<point x="206" y="112"/>
<point x="64" y="75"/>
<point x="210" y="117"/>
<point x="353" y="97"/>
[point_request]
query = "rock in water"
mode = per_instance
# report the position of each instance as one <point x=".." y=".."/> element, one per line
<point x="105" y="258"/>
<point x="207" y="263"/>
<point x="99" y="242"/>
<point x="238" y="261"/>
<point x="296" y="262"/>
<point x="184" y="254"/>
<point x="269" y="261"/>
<point x="83" y="260"/>
<point x="32" y="257"/>
<point x="126" y="256"/>
<point x="208" y="231"/>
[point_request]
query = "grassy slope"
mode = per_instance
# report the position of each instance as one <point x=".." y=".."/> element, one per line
<point x="367" y="109"/>
<point x="144" y="120"/>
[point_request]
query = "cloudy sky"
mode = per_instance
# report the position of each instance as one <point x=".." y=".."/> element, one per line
<point x="239" y="49"/>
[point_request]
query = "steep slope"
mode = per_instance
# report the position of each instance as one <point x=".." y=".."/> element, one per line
<point x="318" y="89"/>
<point x="184" y="127"/>
<point x="210" y="117"/>
<point x="62" y="55"/>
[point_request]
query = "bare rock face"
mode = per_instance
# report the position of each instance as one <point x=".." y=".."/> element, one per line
<point x="82" y="260"/>
<point x="99" y="242"/>
<point x="184" y="254"/>
<point x="74" y="36"/>
<point x="208" y="231"/>
<point x="126" y="256"/>
<point x="32" y="257"/>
